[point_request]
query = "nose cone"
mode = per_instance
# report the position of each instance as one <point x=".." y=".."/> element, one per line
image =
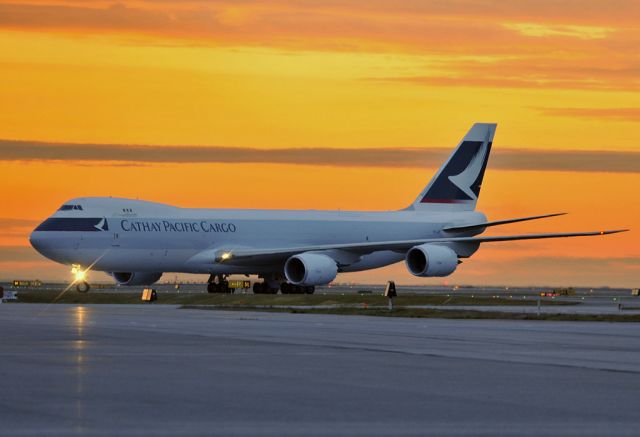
<point x="37" y="241"/>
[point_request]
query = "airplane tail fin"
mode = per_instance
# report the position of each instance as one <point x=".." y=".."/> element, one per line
<point x="456" y="185"/>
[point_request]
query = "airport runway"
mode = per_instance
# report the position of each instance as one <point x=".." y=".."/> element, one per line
<point x="159" y="370"/>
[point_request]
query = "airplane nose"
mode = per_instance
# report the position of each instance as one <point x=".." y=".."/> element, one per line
<point x="36" y="240"/>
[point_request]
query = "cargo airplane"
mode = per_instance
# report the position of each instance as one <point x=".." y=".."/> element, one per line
<point x="293" y="251"/>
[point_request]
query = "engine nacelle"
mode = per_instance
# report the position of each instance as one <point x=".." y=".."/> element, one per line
<point x="431" y="260"/>
<point x="136" y="278"/>
<point x="310" y="269"/>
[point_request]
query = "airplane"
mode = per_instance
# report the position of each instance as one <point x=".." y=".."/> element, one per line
<point x="292" y="251"/>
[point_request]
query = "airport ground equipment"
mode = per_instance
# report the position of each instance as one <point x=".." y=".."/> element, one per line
<point x="390" y="292"/>
<point x="149" y="295"/>
<point x="292" y="251"/>
<point x="7" y="295"/>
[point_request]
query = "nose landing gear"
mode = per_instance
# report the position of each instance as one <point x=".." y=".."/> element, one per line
<point x="83" y="287"/>
<point x="80" y="279"/>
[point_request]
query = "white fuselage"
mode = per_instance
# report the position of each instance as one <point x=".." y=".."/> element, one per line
<point x="144" y="236"/>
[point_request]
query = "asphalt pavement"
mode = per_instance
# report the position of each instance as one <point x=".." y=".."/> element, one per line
<point x="161" y="370"/>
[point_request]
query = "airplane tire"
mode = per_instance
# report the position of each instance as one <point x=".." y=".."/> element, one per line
<point x="263" y="288"/>
<point x="212" y="287"/>
<point x="83" y="287"/>
<point x="309" y="290"/>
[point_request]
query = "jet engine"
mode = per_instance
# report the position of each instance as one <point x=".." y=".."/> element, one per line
<point x="136" y="278"/>
<point x="310" y="269"/>
<point x="431" y="260"/>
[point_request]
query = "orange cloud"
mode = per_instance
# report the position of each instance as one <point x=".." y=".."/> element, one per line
<point x="530" y="44"/>
<point x="502" y="158"/>
<point x="355" y="94"/>
<point x="624" y="114"/>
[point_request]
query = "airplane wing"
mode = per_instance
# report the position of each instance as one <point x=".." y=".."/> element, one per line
<point x="241" y="255"/>
<point x="479" y="226"/>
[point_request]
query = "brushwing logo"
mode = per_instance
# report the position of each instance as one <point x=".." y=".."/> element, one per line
<point x="102" y="225"/>
<point x="460" y="180"/>
<point x="465" y="179"/>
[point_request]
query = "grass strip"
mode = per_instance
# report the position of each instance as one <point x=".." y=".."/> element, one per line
<point x="243" y="300"/>
<point x="432" y="313"/>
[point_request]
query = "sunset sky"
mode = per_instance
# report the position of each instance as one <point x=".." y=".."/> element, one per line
<point x="329" y="105"/>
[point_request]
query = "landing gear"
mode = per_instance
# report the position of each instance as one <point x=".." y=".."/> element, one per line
<point x="218" y="284"/>
<point x="80" y="278"/>
<point x="263" y="288"/>
<point x="83" y="287"/>
<point x="287" y="288"/>
<point x="273" y="283"/>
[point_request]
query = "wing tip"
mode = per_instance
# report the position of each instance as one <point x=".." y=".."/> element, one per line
<point x="614" y="231"/>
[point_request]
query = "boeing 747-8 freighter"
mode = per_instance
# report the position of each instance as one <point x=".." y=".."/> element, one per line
<point x="136" y="241"/>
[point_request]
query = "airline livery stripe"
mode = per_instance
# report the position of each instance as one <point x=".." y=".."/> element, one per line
<point x="73" y="225"/>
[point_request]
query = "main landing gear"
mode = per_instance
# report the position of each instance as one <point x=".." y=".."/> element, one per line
<point x="218" y="284"/>
<point x="284" y="287"/>
<point x="263" y="288"/>
<point x="287" y="288"/>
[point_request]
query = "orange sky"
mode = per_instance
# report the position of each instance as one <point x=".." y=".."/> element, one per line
<point x="555" y="75"/>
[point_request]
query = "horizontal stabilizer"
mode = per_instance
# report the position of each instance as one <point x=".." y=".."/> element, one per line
<point x="478" y="226"/>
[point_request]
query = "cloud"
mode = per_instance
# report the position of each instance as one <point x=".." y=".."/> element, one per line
<point x="9" y="223"/>
<point x="556" y="11"/>
<point x="536" y="71"/>
<point x="521" y="271"/>
<point x="546" y="43"/>
<point x="19" y="254"/>
<point x="506" y="159"/>
<point x="542" y="31"/>
<point x="623" y="114"/>
<point x="580" y="271"/>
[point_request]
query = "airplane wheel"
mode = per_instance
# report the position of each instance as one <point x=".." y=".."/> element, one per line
<point x="263" y="288"/>
<point x="285" y="288"/>
<point x="309" y="290"/>
<point x="83" y="287"/>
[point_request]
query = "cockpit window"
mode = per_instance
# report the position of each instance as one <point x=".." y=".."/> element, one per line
<point x="70" y="208"/>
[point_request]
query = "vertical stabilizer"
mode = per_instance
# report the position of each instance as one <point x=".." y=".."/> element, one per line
<point x="456" y="185"/>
